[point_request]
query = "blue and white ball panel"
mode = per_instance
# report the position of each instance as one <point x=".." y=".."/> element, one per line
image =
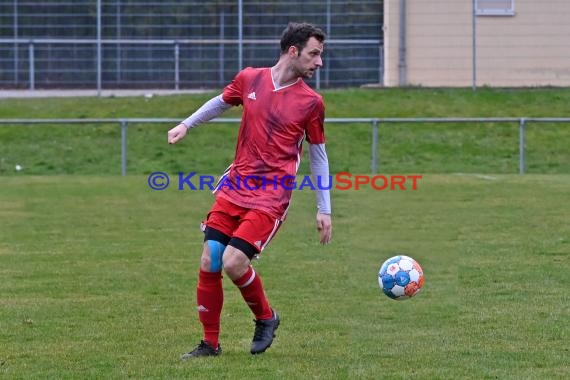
<point x="392" y="260"/>
<point x="398" y="291"/>
<point x="406" y="263"/>
<point x="414" y="276"/>
<point x="386" y="282"/>
<point x="402" y="278"/>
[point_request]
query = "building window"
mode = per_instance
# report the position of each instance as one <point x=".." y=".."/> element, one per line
<point x="495" y="7"/>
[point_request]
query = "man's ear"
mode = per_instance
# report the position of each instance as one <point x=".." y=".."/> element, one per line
<point x="293" y="51"/>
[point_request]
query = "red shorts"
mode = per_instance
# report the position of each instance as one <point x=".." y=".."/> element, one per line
<point x="254" y="226"/>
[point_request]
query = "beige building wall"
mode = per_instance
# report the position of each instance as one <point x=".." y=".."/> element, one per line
<point x="531" y="48"/>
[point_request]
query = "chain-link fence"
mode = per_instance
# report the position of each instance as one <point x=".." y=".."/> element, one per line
<point x="114" y="44"/>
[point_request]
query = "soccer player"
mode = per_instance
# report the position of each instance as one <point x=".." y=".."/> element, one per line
<point x="252" y="198"/>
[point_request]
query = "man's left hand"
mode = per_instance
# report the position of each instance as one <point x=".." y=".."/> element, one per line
<point x="324" y="225"/>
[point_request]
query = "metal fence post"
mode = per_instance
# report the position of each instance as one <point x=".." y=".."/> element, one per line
<point x="32" y="65"/>
<point x="176" y="65"/>
<point x="474" y="46"/>
<point x="221" y="50"/>
<point x="16" y="63"/>
<point x="99" y="49"/>
<point x="402" y="81"/>
<point x="381" y="65"/>
<point x="124" y="125"/>
<point x="522" y="123"/>
<point x="240" y="34"/>
<point x="375" y="124"/>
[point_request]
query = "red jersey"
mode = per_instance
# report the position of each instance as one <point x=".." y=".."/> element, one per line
<point x="268" y="153"/>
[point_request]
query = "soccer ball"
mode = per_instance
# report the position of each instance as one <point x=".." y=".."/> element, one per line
<point x="400" y="277"/>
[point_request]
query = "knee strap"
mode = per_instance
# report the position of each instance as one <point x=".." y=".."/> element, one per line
<point x="216" y="253"/>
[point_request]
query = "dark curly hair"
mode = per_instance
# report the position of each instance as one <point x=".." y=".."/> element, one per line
<point x="297" y="34"/>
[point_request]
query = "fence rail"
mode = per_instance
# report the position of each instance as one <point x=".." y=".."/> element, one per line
<point x="176" y="68"/>
<point x="375" y="124"/>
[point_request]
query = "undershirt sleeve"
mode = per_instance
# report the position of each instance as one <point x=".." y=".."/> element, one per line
<point x="209" y="110"/>
<point x="319" y="163"/>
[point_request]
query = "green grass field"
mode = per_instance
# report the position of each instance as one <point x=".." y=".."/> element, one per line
<point x="419" y="148"/>
<point x="99" y="273"/>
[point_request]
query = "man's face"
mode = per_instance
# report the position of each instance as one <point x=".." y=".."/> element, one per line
<point x="310" y="58"/>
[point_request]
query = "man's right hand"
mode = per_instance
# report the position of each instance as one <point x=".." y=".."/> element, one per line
<point x="177" y="133"/>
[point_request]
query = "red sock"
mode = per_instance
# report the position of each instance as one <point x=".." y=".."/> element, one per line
<point x="251" y="289"/>
<point x="210" y="299"/>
